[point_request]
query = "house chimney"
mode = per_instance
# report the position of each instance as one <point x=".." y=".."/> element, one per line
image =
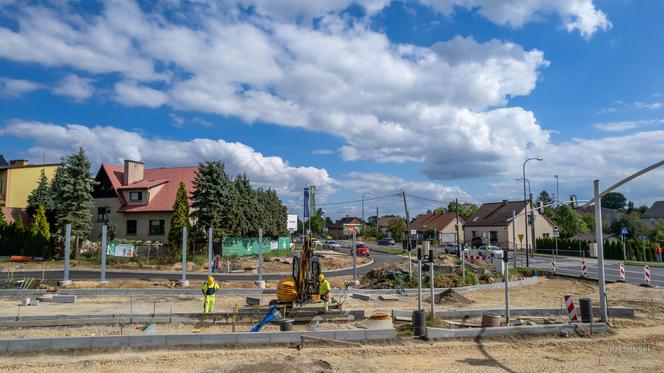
<point x="18" y="163"/>
<point x="133" y="172"/>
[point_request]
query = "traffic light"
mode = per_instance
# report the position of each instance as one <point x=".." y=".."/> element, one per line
<point x="573" y="203"/>
<point x="405" y="244"/>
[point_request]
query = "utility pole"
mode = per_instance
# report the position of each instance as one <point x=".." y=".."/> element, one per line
<point x="431" y="278"/>
<point x="532" y="225"/>
<point x="557" y="192"/>
<point x="514" y="235"/>
<point x="408" y="243"/>
<point x="600" y="252"/>
<point x="376" y="220"/>
<point x="525" y="204"/>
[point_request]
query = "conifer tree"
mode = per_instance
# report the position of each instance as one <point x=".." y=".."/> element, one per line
<point x="212" y="191"/>
<point x="73" y="195"/>
<point x="40" y="225"/>
<point x="179" y="219"/>
<point x="41" y="195"/>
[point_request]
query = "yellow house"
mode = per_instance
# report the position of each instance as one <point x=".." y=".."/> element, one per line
<point x="18" y="179"/>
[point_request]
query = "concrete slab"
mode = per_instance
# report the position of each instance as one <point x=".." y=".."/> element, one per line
<point x="4" y="345"/>
<point x="39" y="344"/>
<point x="110" y="341"/>
<point x="61" y="298"/>
<point x="381" y="334"/>
<point x="351" y="335"/>
<point x="184" y="339"/>
<point x="439" y="333"/>
<point x="253" y="338"/>
<point x="362" y="296"/>
<point x="251" y="301"/>
<point x="613" y="311"/>
<point x="287" y="337"/>
<point x="219" y="339"/>
<point x="147" y="340"/>
<point x="72" y="343"/>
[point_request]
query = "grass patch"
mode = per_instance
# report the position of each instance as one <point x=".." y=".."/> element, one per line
<point x="650" y="264"/>
<point x="386" y="250"/>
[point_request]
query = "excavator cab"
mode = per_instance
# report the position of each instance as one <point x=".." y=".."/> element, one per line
<point x="303" y="286"/>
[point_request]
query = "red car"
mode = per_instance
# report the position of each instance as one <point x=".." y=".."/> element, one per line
<point x="361" y="249"/>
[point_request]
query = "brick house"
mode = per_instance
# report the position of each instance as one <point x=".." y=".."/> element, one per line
<point x="138" y="201"/>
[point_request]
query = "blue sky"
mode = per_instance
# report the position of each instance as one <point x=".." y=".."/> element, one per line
<point x="442" y="99"/>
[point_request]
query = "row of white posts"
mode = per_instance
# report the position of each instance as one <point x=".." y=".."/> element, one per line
<point x="183" y="282"/>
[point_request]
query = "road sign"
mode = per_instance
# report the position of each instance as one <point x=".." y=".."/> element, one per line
<point x="292" y="222"/>
<point x="556" y="232"/>
<point x="350" y="228"/>
<point x="624" y="232"/>
<point x="520" y="235"/>
<point x="413" y="231"/>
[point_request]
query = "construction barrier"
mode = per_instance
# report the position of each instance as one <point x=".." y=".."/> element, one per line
<point x="646" y="275"/>
<point x="621" y="272"/>
<point x="571" y="311"/>
<point x="473" y="257"/>
<point x="584" y="269"/>
<point x="553" y="264"/>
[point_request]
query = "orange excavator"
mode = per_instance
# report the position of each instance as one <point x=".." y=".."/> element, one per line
<point x="303" y="286"/>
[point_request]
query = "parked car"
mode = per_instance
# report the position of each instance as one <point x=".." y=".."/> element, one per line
<point x="361" y="249"/>
<point x="488" y="251"/>
<point x="331" y="245"/>
<point x="386" y="241"/>
<point x="317" y="242"/>
<point x="451" y="248"/>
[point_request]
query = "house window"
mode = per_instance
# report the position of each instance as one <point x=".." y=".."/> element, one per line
<point x="493" y="236"/>
<point x="545" y="235"/>
<point x="135" y="196"/>
<point x="102" y="213"/>
<point x="131" y="227"/>
<point x="474" y="234"/>
<point x="156" y="227"/>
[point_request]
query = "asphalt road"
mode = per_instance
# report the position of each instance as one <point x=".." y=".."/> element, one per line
<point x="572" y="267"/>
<point x="92" y="274"/>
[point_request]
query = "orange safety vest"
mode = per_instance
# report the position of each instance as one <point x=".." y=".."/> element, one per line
<point x="658" y="250"/>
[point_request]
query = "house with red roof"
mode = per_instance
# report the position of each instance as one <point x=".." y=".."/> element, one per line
<point x="441" y="226"/>
<point x="138" y="201"/>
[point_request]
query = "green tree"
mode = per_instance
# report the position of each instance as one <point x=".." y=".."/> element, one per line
<point x="440" y="210"/>
<point x="570" y="222"/>
<point x="210" y="199"/>
<point x="41" y="195"/>
<point x="179" y="219"/>
<point x="543" y="198"/>
<point x="466" y="210"/>
<point x="317" y="222"/>
<point x="614" y="200"/>
<point x="40" y="225"/>
<point x="74" y="196"/>
<point x="397" y="228"/>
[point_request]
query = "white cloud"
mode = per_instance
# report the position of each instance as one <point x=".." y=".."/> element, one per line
<point x="110" y="144"/>
<point x="74" y="87"/>
<point x="14" y="88"/>
<point x="132" y="94"/>
<point x="322" y="151"/>
<point x="627" y="125"/>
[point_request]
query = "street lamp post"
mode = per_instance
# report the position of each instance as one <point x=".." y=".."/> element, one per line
<point x="527" y="181"/>
<point x="525" y="203"/>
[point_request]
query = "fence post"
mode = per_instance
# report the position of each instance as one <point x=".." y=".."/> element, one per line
<point x="209" y="251"/>
<point x="184" y="282"/>
<point x="65" y="280"/>
<point x="260" y="282"/>
<point x="104" y="232"/>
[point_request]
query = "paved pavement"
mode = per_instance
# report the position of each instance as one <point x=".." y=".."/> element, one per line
<point x="93" y="274"/>
<point x="572" y="267"/>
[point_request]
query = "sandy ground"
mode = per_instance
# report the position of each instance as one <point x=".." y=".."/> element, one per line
<point x="632" y="345"/>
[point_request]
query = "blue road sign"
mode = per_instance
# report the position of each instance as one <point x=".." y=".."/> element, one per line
<point x="623" y="231"/>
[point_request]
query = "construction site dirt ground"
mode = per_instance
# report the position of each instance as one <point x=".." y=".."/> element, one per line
<point x="631" y="345"/>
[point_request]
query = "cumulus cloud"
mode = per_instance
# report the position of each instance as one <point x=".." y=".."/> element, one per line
<point x="14" y="88"/>
<point x="133" y="94"/>
<point x="625" y="125"/>
<point x="74" y="87"/>
<point x="111" y="144"/>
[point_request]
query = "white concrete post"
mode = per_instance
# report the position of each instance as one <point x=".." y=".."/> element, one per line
<point x="600" y="253"/>
<point x="65" y="279"/>
<point x="507" y="287"/>
<point x="419" y="279"/>
<point x="209" y="251"/>
<point x="354" y="250"/>
<point x="104" y="232"/>
<point x="431" y="275"/>
<point x="260" y="254"/>
<point x="183" y="281"/>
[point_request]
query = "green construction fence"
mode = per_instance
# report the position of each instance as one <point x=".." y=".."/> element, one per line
<point x="249" y="246"/>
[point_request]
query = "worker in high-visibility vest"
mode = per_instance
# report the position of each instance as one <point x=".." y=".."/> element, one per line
<point x="209" y="290"/>
<point x="324" y="291"/>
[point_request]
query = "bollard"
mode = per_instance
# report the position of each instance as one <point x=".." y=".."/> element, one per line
<point x="183" y="281"/>
<point x="419" y="323"/>
<point x="260" y="256"/>
<point x="586" y="308"/>
<point x="210" y="251"/>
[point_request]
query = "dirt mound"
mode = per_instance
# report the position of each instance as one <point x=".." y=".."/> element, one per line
<point x="446" y="260"/>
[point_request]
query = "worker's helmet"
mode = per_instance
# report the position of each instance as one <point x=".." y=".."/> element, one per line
<point x="321" y="277"/>
<point x="210" y="280"/>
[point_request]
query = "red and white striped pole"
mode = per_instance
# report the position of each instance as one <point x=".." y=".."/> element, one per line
<point x="584" y="269"/>
<point x="553" y="264"/>
<point x="646" y="275"/>
<point x="621" y="272"/>
<point x="571" y="311"/>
